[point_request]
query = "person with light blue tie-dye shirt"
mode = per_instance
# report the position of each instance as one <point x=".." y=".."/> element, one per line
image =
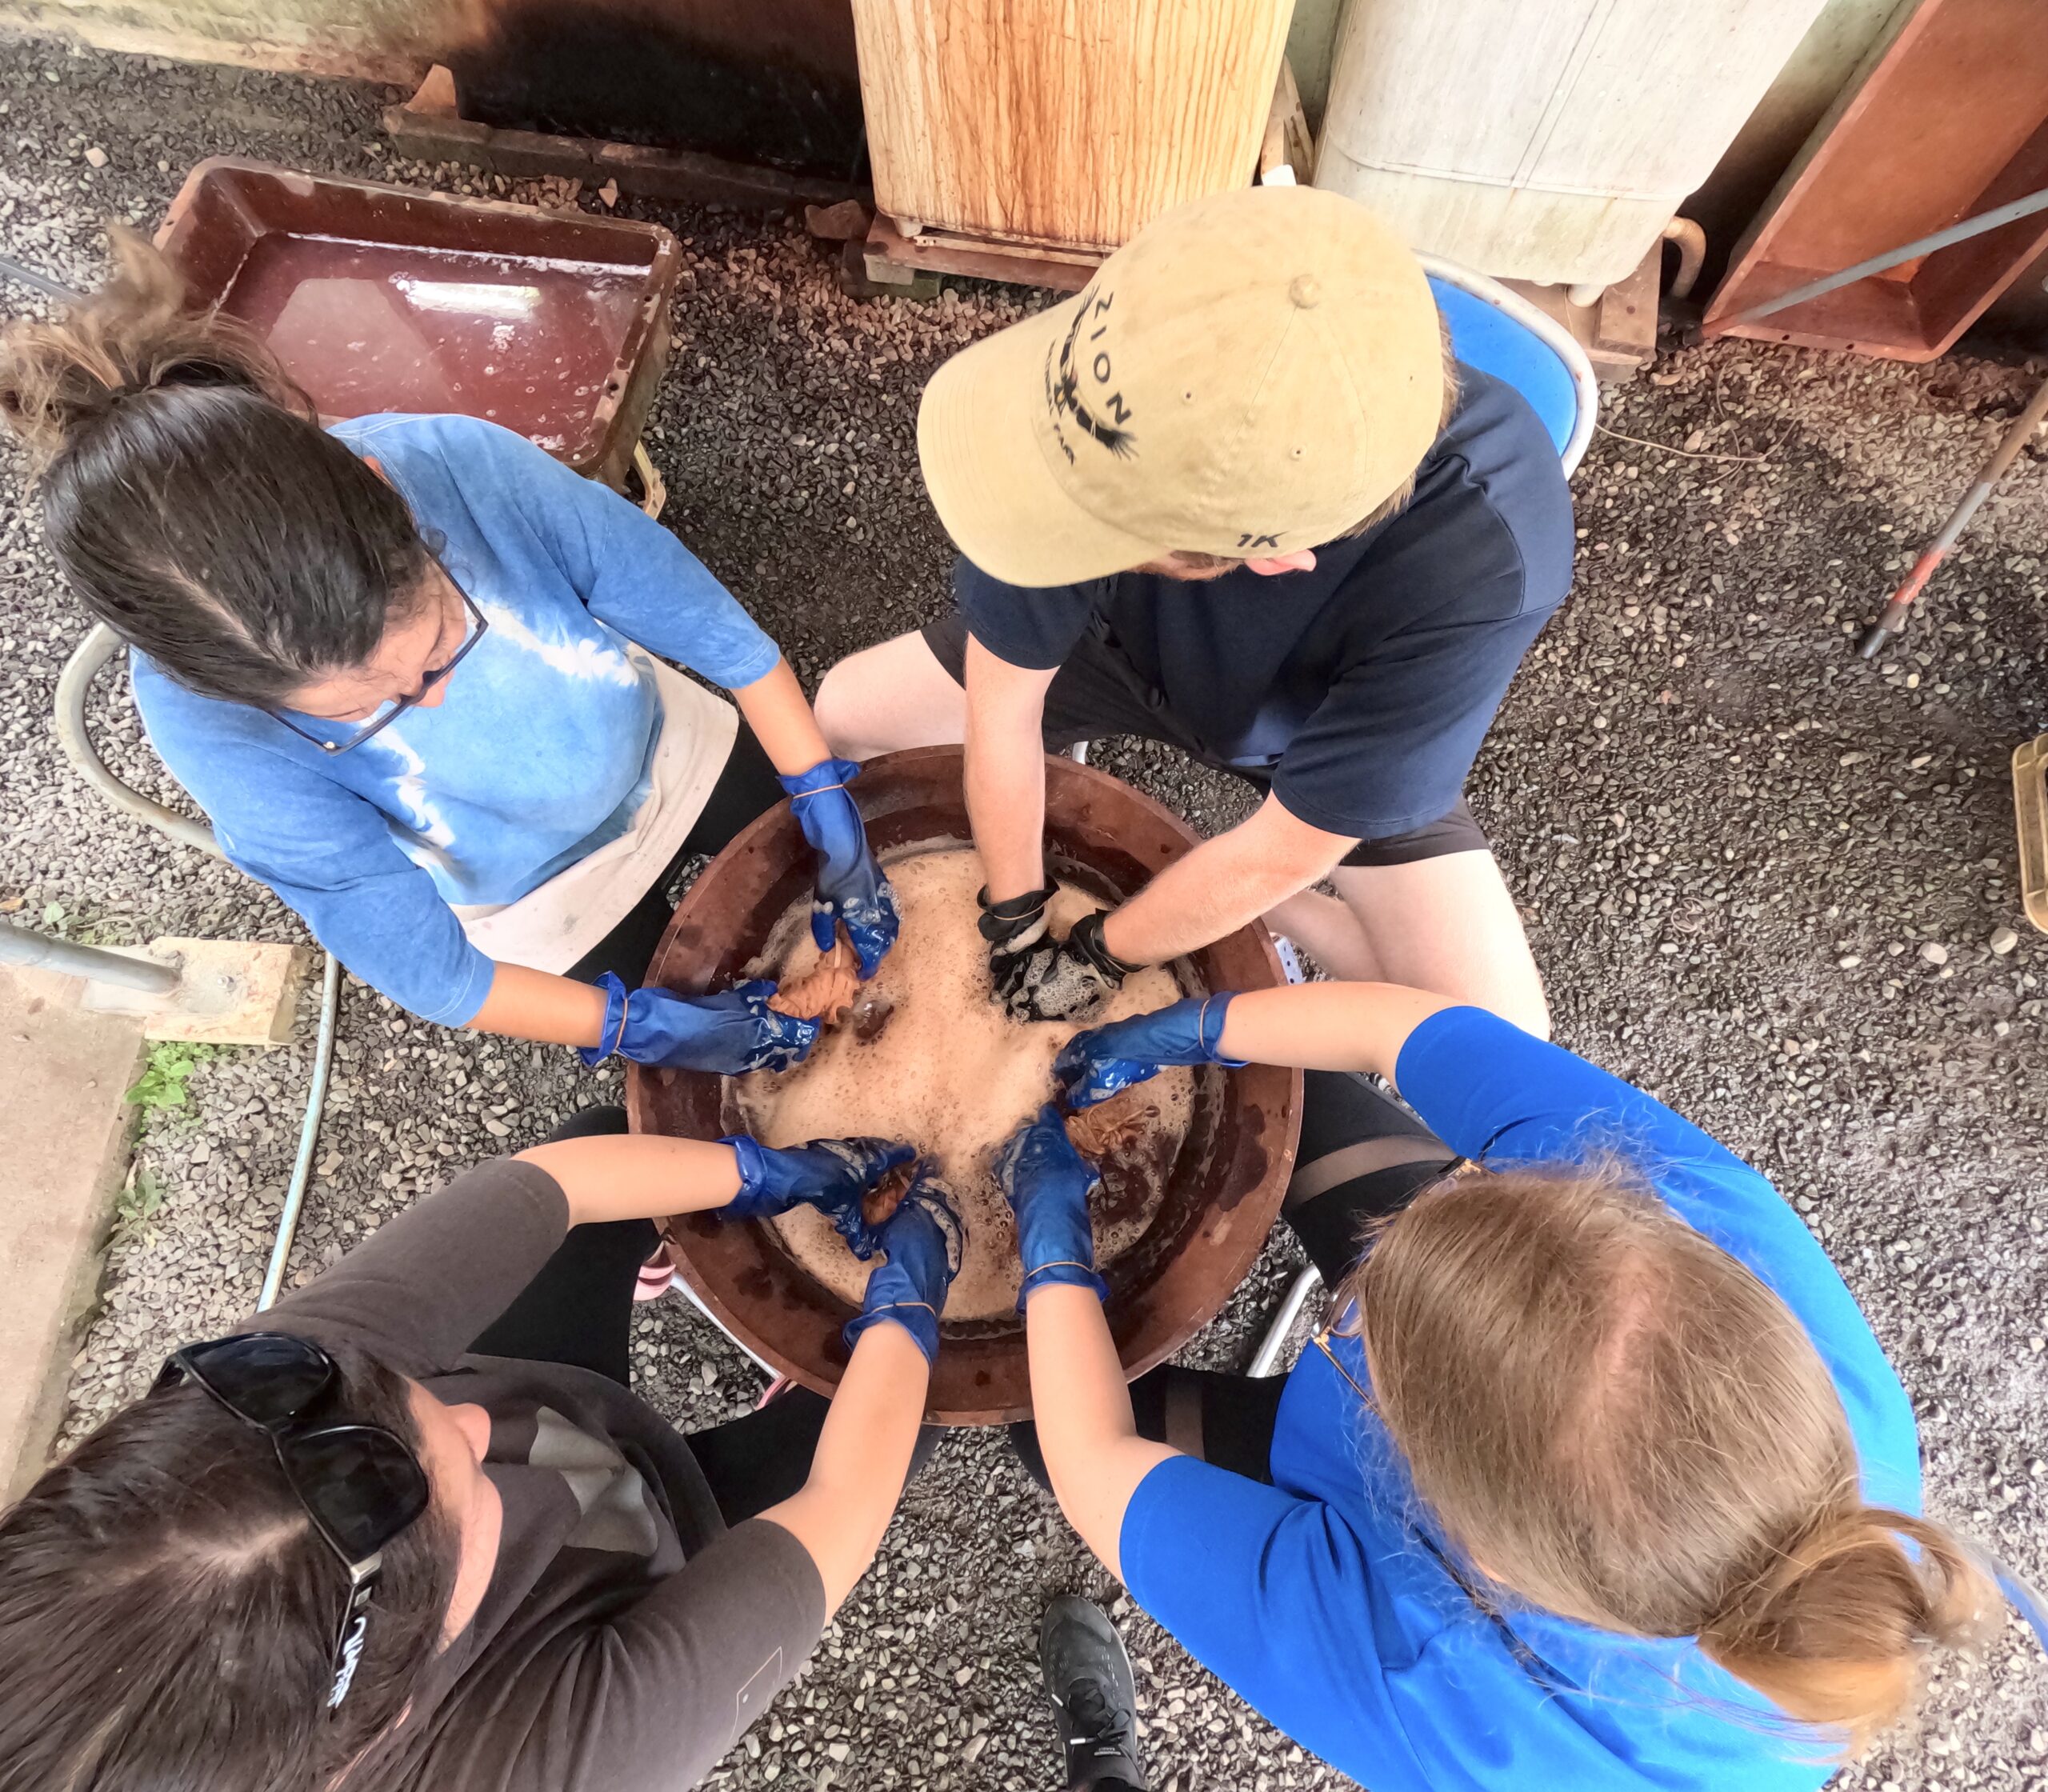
<point x="408" y="666"/>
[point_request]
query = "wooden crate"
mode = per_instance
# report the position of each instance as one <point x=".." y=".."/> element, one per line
<point x="1061" y="123"/>
<point x="1948" y="119"/>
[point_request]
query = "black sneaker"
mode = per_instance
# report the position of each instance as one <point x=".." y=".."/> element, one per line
<point x="1093" y="1694"/>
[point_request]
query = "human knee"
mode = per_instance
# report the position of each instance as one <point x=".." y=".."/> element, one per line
<point x="1530" y="1011"/>
<point x="887" y="697"/>
<point x="842" y="705"/>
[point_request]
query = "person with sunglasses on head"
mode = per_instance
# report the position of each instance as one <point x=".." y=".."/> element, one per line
<point x="1238" y="497"/>
<point x="1597" y="1478"/>
<point x="412" y="1529"/>
<point x="407" y="666"/>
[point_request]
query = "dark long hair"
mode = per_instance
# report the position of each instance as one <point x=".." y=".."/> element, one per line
<point x="191" y="498"/>
<point x="167" y="1612"/>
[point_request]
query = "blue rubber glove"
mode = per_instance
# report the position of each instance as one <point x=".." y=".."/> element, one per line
<point x="830" y="1175"/>
<point x="851" y="891"/>
<point x="1094" y="1064"/>
<point x="1047" y="1183"/>
<point x="731" y="1034"/>
<point x="926" y="1238"/>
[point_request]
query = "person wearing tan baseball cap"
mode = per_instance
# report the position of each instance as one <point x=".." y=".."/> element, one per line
<point x="1236" y="497"/>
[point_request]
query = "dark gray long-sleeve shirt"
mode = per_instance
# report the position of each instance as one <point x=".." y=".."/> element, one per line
<point x="627" y="1636"/>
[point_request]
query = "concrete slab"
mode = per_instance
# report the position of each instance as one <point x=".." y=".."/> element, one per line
<point x="67" y="1132"/>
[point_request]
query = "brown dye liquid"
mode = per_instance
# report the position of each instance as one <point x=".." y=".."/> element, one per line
<point x="524" y="341"/>
<point x="953" y="1075"/>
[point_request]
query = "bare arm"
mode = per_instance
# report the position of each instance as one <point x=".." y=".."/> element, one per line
<point x="1006" y="770"/>
<point x="1081" y="1406"/>
<point x="637" y="1176"/>
<point x="778" y="711"/>
<point x="528" y="1004"/>
<point x="1223" y="884"/>
<point x="1327" y="1026"/>
<point x="863" y="1455"/>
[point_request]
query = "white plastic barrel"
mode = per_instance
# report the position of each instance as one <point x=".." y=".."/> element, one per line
<point x="1546" y="140"/>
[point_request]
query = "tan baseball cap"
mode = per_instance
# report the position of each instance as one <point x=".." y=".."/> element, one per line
<point x="1252" y="374"/>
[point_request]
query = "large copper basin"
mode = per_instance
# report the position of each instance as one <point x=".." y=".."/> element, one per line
<point x="1222" y="1193"/>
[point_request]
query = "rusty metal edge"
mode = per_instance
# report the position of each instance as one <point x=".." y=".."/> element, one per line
<point x="1263" y="1201"/>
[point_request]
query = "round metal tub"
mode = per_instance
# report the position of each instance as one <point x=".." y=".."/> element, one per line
<point x="1223" y="1192"/>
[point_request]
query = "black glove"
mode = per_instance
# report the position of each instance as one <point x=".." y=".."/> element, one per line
<point x="1067" y="981"/>
<point x="1013" y="929"/>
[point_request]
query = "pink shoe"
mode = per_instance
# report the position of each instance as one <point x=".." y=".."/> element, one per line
<point x="657" y="1276"/>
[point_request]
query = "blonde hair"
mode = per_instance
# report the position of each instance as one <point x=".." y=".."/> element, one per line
<point x="1612" y="1418"/>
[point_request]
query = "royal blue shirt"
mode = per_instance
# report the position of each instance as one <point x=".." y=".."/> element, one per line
<point x="539" y="754"/>
<point x="1366" y="685"/>
<point x="1321" y="1600"/>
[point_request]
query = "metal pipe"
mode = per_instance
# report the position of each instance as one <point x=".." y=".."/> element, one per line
<point x="1893" y="618"/>
<point x="1692" y="250"/>
<point x="73" y="684"/>
<point x="19" y="946"/>
<point x="309" y="1135"/>
<point x="1267" y="1357"/>
<point x="23" y="274"/>
<point x="1877" y="264"/>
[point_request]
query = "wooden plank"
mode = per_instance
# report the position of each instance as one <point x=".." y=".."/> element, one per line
<point x="428" y="133"/>
<point x="933" y="252"/>
<point x="1948" y="118"/>
<point x="1070" y="123"/>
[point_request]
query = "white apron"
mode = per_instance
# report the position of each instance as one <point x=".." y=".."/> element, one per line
<point x="552" y="927"/>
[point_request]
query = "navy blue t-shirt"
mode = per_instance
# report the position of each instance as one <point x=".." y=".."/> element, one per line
<point x="1367" y="684"/>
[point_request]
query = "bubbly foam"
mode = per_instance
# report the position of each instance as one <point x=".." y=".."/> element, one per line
<point x="952" y="1074"/>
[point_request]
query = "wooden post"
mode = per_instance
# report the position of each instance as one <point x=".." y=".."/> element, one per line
<point x="1063" y="123"/>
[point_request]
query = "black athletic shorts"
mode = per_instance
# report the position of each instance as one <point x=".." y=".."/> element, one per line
<point x="1096" y="692"/>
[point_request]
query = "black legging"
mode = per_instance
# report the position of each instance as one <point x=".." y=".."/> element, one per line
<point x="1331" y="1204"/>
<point x="578" y="1311"/>
<point x="746" y="788"/>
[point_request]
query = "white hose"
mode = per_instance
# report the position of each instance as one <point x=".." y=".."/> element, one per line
<point x="309" y="1135"/>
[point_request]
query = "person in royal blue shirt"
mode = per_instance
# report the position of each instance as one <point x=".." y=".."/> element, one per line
<point x="1597" y="1477"/>
<point x="1236" y="497"/>
<point x="408" y="666"/>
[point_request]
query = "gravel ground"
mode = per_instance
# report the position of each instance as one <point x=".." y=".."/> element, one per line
<point x="1765" y="880"/>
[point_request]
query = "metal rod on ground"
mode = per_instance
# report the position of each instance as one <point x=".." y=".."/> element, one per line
<point x="19" y="946"/>
<point x="309" y="1135"/>
<point x="1877" y="264"/>
<point x="23" y="274"/>
<point x="2015" y="438"/>
<point x="1267" y="1357"/>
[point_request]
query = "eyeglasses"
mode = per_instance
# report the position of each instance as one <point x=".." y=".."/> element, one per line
<point x="1340" y="1320"/>
<point x="1320" y="1338"/>
<point x="361" y="1485"/>
<point x="480" y="625"/>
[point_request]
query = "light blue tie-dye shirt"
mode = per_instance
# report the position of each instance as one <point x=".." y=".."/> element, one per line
<point x="541" y="752"/>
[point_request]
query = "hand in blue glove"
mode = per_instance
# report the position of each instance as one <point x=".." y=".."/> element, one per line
<point x="1094" y="1064"/>
<point x="830" y="1175"/>
<point x="926" y="1238"/>
<point x="851" y="891"/>
<point x="1047" y="1183"/>
<point x="731" y="1034"/>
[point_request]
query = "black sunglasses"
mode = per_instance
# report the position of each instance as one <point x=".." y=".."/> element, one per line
<point x="480" y="627"/>
<point x="360" y="1484"/>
